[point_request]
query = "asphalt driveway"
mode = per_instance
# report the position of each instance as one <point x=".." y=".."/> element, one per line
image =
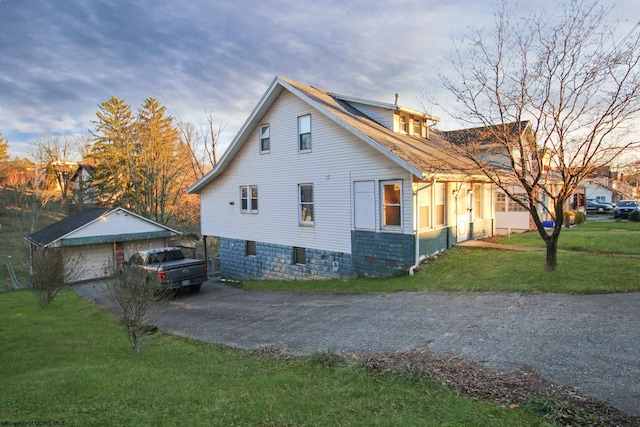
<point x="591" y="343"/>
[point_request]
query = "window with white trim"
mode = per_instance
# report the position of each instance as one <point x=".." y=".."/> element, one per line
<point x="304" y="133"/>
<point x="391" y="204"/>
<point x="249" y="198"/>
<point x="501" y="202"/>
<point x="515" y="206"/>
<point x="265" y="139"/>
<point x="424" y="207"/>
<point x="478" y="201"/>
<point x="305" y="192"/>
<point x="440" y="205"/>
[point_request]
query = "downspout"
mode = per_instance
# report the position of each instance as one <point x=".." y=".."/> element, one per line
<point x="417" y="257"/>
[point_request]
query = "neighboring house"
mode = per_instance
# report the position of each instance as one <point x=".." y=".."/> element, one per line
<point x="510" y="216"/>
<point x="100" y="238"/>
<point x="319" y="185"/>
<point x="84" y="194"/>
<point x="605" y="186"/>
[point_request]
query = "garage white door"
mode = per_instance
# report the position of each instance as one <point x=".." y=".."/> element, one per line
<point x="96" y="261"/>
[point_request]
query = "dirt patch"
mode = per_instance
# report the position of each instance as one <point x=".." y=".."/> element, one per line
<point x="525" y="388"/>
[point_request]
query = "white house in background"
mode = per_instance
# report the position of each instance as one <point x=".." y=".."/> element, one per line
<point x="100" y="239"/>
<point x="605" y="186"/>
<point x="320" y="185"/>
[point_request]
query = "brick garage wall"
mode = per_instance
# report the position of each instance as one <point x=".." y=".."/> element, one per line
<point x="275" y="262"/>
<point x="381" y="254"/>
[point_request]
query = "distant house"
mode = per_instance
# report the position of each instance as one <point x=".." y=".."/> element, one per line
<point x="83" y="193"/>
<point x="320" y="185"/>
<point x="605" y="185"/>
<point x="100" y="238"/>
<point x="510" y="216"/>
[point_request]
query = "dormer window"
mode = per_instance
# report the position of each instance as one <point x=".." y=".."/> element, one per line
<point x="404" y="126"/>
<point x="417" y="126"/>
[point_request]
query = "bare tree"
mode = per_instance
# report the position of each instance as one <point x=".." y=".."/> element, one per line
<point x="201" y="144"/>
<point x="52" y="271"/>
<point x="137" y="295"/>
<point x="551" y="97"/>
<point x="59" y="156"/>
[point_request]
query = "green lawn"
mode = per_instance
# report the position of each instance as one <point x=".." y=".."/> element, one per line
<point x="593" y="237"/>
<point x="590" y="260"/>
<point x="72" y="362"/>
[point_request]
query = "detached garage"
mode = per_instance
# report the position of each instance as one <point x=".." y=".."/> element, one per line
<point x="100" y="239"/>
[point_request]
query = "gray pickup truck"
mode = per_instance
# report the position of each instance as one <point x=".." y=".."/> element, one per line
<point x="172" y="268"/>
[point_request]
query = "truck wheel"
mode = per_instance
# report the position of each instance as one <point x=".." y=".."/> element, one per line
<point x="194" y="288"/>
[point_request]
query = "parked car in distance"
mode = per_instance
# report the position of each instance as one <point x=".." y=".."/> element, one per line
<point x="624" y="208"/>
<point x="171" y="267"/>
<point x="594" y="205"/>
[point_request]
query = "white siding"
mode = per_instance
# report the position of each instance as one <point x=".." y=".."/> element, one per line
<point x="514" y="221"/>
<point x="115" y="223"/>
<point x="336" y="159"/>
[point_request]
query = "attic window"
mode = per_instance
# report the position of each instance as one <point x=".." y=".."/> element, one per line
<point x="304" y="133"/>
<point x="265" y="140"/>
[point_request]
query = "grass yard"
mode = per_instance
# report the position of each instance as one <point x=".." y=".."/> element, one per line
<point x="72" y="363"/>
<point x="590" y="260"/>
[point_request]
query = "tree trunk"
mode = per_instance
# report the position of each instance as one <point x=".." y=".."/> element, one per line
<point x="552" y="253"/>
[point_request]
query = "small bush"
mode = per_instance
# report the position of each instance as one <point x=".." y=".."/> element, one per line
<point x="136" y="295"/>
<point x="52" y="272"/>
<point x="634" y="216"/>
<point x="580" y="217"/>
<point x="569" y="218"/>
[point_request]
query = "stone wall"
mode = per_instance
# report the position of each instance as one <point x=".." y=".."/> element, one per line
<point x="275" y="262"/>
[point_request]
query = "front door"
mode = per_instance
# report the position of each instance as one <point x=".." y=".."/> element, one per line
<point x="463" y="214"/>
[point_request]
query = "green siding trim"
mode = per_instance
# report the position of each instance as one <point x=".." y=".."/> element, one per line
<point x="92" y="240"/>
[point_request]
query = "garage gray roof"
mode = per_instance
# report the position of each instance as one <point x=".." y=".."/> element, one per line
<point x="62" y="231"/>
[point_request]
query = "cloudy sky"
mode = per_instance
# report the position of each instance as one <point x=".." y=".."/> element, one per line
<point x="60" y="59"/>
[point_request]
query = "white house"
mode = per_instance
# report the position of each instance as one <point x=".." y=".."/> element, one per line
<point x="99" y="239"/>
<point x="319" y="185"/>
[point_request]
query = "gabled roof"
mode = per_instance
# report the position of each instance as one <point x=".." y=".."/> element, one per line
<point x="421" y="157"/>
<point x="491" y="136"/>
<point x="66" y="226"/>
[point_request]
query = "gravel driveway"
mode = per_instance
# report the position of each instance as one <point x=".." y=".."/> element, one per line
<point x="591" y="343"/>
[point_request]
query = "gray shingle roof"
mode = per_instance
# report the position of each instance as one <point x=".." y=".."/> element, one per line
<point x="429" y="156"/>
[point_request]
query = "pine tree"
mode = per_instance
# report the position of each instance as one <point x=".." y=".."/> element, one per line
<point x="114" y="140"/>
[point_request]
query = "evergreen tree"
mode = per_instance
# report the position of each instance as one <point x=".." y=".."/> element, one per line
<point x="114" y="140"/>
